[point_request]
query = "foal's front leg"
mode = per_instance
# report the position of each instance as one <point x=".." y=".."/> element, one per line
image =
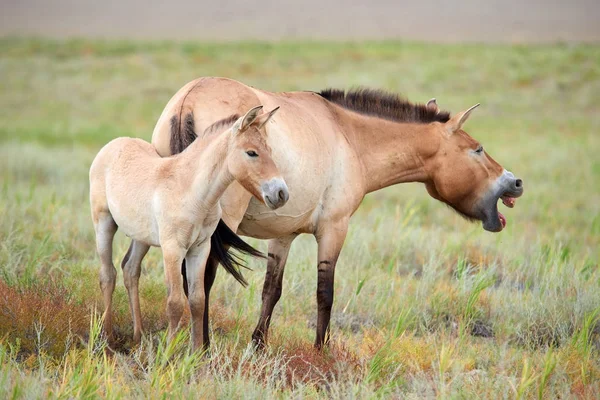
<point x="173" y="255"/>
<point x="195" y="261"/>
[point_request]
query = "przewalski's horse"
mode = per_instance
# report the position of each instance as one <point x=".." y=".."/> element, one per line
<point x="333" y="148"/>
<point x="174" y="203"/>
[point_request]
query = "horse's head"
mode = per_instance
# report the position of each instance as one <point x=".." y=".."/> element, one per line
<point x="249" y="159"/>
<point x="464" y="176"/>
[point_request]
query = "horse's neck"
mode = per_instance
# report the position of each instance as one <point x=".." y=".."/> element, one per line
<point x="390" y="152"/>
<point x="204" y="161"/>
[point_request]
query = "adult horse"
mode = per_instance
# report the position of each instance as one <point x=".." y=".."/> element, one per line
<point x="333" y="148"/>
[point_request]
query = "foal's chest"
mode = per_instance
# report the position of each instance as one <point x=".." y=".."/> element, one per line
<point x="202" y="229"/>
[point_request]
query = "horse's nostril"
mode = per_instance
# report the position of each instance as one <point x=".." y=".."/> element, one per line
<point x="281" y="195"/>
<point x="519" y="183"/>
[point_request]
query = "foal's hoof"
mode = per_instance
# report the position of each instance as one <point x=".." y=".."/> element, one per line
<point x="136" y="341"/>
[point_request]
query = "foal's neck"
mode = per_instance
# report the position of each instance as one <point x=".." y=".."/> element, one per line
<point x="390" y="152"/>
<point x="205" y="163"/>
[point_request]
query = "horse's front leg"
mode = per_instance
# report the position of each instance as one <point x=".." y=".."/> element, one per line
<point x="330" y="240"/>
<point x="195" y="261"/>
<point x="278" y="252"/>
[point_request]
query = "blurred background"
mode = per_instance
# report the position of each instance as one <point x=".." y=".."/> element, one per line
<point x="429" y="20"/>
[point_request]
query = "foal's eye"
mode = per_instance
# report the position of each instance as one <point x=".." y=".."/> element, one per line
<point x="252" y="153"/>
<point x="479" y="150"/>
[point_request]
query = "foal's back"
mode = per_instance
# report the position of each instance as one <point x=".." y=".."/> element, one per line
<point x="123" y="180"/>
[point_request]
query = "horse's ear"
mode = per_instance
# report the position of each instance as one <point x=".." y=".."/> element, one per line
<point x="261" y="120"/>
<point x="244" y="122"/>
<point x="457" y="121"/>
<point x="432" y="105"/>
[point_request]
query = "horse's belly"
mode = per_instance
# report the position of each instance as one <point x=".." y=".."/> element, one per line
<point x="263" y="223"/>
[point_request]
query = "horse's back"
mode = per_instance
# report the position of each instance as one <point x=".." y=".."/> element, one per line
<point x="206" y="100"/>
<point x="307" y="147"/>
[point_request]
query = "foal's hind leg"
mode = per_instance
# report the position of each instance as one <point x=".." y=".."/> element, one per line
<point x="132" y="267"/>
<point x="106" y="228"/>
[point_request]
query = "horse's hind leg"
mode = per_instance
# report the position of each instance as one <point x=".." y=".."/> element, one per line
<point x="106" y="228"/>
<point x="210" y="273"/>
<point x="132" y="267"/>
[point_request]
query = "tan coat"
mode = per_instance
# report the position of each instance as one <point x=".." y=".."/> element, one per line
<point x="332" y="149"/>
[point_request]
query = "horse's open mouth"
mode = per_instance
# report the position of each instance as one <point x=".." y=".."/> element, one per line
<point x="508" y="202"/>
<point x="493" y="220"/>
<point x="506" y="188"/>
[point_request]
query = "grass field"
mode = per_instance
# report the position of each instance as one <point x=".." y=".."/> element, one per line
<point x="426" y="304"/>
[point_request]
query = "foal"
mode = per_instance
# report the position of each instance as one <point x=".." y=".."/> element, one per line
<point x="174" y="203"/>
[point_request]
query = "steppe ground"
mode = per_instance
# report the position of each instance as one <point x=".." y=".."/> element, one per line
<point x="426" y="304"/>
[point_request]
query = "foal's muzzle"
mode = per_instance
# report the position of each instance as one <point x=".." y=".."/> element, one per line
<point x="275" y="193"/>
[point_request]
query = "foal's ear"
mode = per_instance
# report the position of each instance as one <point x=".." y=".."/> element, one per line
<point x="261" y="120"/>
<point x="244" y="122"/>
<point x="432" y="105"/>
<point x="457" y="121"/>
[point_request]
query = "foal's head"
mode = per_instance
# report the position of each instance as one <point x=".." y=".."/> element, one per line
<point x="249" y="159"/>
<point x="466" y="178"/>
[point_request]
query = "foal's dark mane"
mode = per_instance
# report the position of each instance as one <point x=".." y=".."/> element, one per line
<point x="221" y="124"/>
<point x="183" y="136"/>
<point x="382" y="104"/>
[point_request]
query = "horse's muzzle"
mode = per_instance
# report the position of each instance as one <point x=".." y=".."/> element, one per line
<point x="275" y="193"/>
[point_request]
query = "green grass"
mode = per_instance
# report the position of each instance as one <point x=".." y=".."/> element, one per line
<point x="426" y="304"/>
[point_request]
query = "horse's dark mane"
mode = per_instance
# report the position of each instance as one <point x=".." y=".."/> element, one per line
<point x="382" y="104"/>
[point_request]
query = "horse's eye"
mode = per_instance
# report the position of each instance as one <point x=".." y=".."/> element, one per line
<point x="479" y="150"/>
<point x="252" y="153"/>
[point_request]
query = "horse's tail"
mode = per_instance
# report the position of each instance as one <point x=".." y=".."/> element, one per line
<point x="182" y="136"/>
<point x="222" y="242"/>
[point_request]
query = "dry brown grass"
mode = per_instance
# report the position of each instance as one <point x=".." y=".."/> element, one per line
<point x="42" y="317"/>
